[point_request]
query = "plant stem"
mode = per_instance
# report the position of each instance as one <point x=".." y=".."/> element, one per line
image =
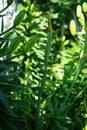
<point x="81" y="62"/>
<point x="47" y="52"/>
<point x="4" y="9"/>
<point x="7" y="31"/>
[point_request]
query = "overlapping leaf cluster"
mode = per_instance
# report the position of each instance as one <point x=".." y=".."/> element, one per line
<point x="43" y="68"/>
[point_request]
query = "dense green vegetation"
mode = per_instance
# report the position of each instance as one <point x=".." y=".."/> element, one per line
<point x="43" y="67"/>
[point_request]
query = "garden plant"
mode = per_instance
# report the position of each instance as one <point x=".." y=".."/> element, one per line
<point x="43" y="66"/>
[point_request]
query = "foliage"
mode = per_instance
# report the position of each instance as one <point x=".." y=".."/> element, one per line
<point x="43" y="67"/>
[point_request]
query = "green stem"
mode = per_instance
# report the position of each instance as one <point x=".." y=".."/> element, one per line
<point x="4" y="9"/>
<point x="79" y="68"/>
<point x="47" y="52"/>
<point x="6" y="31"/>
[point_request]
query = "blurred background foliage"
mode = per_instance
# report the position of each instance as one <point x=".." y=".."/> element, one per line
<point x="41" y="90"/>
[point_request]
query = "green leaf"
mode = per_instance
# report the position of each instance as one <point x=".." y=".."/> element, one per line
<point x="10" y="75"/>
<point x="19" y="18"/>
<point x="10" y="86"/>
<point x="9" y="2"/>
<point x="28" y="46"/>
<point x="13" y="45"/>
<point x="3" y="51"/>
<point x="5" y="102"/>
